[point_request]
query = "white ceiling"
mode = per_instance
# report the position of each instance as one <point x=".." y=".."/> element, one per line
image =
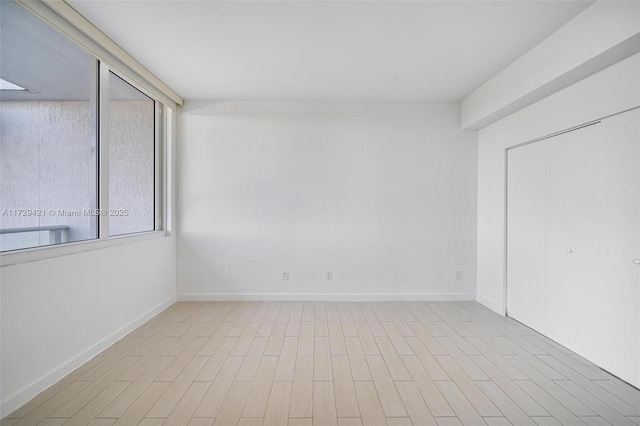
<point x="327" y="50"/>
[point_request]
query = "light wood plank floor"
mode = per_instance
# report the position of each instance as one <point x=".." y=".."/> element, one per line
<point x="334" y="363"/>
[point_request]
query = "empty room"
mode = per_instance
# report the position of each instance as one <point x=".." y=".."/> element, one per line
<point x="319" y="212"/>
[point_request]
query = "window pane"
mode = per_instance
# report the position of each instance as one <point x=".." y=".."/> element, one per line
<point x="47" y="135"/>
<point x="131" y="159"/>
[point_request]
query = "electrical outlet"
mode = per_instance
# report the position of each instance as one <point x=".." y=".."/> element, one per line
<point x="285" y="274"/>
<point x="329" y="275"/>
<point x="458" y="275"/>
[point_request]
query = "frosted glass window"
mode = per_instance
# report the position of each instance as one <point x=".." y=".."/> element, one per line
<point x="131" y="159"/>
<point x="48" y="184"/>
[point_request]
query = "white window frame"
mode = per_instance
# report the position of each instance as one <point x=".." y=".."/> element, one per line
<point x="109" y="57"/>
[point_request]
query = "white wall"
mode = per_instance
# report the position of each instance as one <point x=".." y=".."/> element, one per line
<point x="58" y="313"/>
<point x="382" y="195"/>
<point x="607" y="92"/>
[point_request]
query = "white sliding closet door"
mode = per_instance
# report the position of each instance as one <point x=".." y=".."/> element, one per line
<point x="526" y="236"/>
<point x="573" y="241"/>
<point x="619" y="293"/>
<point x="572" y="238"/>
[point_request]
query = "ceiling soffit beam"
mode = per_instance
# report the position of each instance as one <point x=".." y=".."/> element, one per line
<point x="603" y="34"/>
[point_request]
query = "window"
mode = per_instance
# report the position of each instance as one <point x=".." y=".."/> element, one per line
<point x="47" y="135"/>
<point x="79" y="157"/>
<point x="131" y="159"/>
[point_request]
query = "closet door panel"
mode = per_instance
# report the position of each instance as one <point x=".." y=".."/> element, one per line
<point x="619" y="292"/>
<point x="526" y="234"/>
<point x="572" y="239"/>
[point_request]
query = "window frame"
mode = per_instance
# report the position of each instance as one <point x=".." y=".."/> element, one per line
<point x="159" y="136"/>
<point x="64" y="19"/>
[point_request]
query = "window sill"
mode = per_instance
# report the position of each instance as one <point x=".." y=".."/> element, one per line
<point x="48" y="252"/>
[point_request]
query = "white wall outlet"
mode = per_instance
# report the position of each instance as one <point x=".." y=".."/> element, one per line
<point x="458" y="275"/>
<point x="285" y="274"/>
<point x="329" y="275"/>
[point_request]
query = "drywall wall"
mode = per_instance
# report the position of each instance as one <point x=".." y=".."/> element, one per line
<point x="58" y="313"/>
<point x="612" y="90"/>
<point x="381" y="195"/>
<point x="603" y="34"/>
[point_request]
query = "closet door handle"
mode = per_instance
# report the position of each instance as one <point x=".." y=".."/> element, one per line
<point x="569" y="250"/>
<point x="636" y="261"/>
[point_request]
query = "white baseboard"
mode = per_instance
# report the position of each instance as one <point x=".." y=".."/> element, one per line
<point x="491" y="305"/>
<point x="18" y="399"/>
<point x="328" y="297"/>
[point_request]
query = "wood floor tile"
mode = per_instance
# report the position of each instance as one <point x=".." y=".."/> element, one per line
<point x="261" y="389"/>
<point x="506" y="406"/>
<point x="322" y="359"/>
<point x="300" y="421"/>
<point x="97" y="404"/>
<point x="251" y="362"/>
<point x="392" y="359"/>
<point x="389" y="396"/>
<point x="346" y="401"/>
<point x="468" y="387"/>
<point x="367" y="340"/>
<point x="369" y="402"/>
<point x="460" y="404"/>
<point x="135" y="389"/>
<point x="349" y="421"/>
<point x="167" y="402"/>
<point x="234" y="403"/>
<point x="212" y="368"/>
<point x="307" y="337"/>
<point x="359" y="367"/>
<point x="213" y="399"/>
<point x="141" y="406"/>
<point x="324" y="404"/>
<point x="287" y="361"/>
<point x="93" y="389"/>
<point x="415" y="405"/>
<point x="302" y="396"/>
<point x="333" y="363"/>
<point x="279" y="402"/>
<point x="438" y="405"/>
<point x="188" y="404"/>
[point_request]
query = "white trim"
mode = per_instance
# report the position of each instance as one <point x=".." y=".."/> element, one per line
<point x="329" y="297"/>
<point x="95" y="126"/>
<point x="159" y="142"/>
<point x="18" y="399"/>
<point x="168" y="168"/>
<point x="47" y="252"/>
<point x="491" y="305"/>
<point x="103" y="149"/>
